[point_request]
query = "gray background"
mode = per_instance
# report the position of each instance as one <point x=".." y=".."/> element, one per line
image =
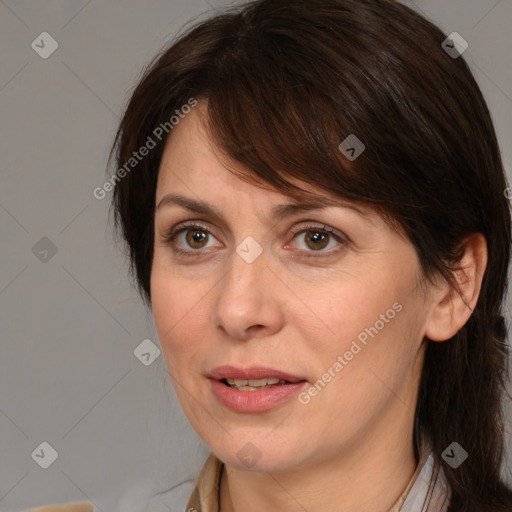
<point x="70" y="325"/>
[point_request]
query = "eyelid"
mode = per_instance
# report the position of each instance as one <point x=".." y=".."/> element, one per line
<point x="319" y="226"/>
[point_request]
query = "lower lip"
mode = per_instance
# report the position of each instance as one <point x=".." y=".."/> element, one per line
<point x="254" y="401"/>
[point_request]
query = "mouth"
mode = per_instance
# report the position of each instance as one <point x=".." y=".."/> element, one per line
<point x="253" y="384"/>
<point x="253" y="378"/>
<point x="255" y="389"/>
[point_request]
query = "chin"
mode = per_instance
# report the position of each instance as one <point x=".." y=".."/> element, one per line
<point x="252" y="453"/>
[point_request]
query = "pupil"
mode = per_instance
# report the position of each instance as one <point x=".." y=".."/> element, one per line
<point x="198" y="236"/>
<point x="316" y="238"/>
<point x="195" y="238"/>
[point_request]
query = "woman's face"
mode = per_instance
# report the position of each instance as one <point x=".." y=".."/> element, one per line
<point x="329" y="297"/>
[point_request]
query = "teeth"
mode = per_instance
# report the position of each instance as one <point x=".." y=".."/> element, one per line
<point x="254" y="384"/>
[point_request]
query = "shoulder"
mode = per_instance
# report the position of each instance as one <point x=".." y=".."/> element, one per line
<point x="81" y="506"/>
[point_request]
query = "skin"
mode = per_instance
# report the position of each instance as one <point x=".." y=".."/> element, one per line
<point x="351" y="446"/>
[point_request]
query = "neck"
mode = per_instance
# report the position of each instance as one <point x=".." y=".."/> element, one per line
<point x="369" y="476"/>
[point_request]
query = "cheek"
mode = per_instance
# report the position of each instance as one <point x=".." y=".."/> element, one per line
<point x="374" y="351"/>
<point x="373" y="323"/>
<point x="350" y="309"/>
<point x="178" y="310"/>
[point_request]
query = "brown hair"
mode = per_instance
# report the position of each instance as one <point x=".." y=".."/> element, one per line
<point x="288" y="80"/>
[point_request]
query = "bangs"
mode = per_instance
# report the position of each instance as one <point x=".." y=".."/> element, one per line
<point x="280" y="118"/>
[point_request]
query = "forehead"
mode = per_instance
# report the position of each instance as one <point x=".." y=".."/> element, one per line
<point x="191" y="159"/>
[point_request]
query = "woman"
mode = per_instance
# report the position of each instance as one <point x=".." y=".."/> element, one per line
<point x="312" y="196"/>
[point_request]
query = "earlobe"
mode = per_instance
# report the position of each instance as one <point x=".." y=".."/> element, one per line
<point x="452" y="307"/>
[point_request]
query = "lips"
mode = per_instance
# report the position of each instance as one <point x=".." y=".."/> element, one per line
<point x="253" y="390"/>
<point x="256" y="374"/>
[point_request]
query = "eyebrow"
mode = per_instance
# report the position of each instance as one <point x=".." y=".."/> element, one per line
<point x="278" y="212"/>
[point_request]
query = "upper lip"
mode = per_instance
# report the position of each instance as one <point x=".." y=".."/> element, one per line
<point x="251" y="373"/>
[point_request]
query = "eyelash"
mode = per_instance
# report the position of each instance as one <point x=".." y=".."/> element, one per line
<point x="169" y="236"/>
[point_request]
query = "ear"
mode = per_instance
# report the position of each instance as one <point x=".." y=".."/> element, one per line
<point x="451" y="309"/>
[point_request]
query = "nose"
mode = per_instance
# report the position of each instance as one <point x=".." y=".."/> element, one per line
<point x="250" y="299"/>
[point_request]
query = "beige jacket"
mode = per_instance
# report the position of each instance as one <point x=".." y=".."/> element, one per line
<point x="81" y="506"/>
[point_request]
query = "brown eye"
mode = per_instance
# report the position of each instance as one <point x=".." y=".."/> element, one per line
<point x="196" y="237"/>
<point x="190" y="239"/>
<point x="316" y="240"/>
